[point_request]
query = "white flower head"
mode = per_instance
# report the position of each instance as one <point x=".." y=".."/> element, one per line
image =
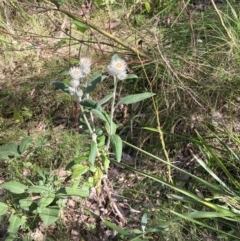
<point x="79" y="94"/>
<point x="118" y="68"/>
<point x="71" y="90"/>
<point x="85" y="65"/>
<point x="74" y="83"/>
<point x="76" y="73"/>
<point x="122" y="76"/>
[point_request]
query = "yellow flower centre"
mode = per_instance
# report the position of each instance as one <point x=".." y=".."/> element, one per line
<point x="118" y="65"/>
<point x="85" y="61"/>
<point x="76" y="72"/>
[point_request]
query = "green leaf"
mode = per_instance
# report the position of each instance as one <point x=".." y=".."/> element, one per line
<point x="25" y="203"/>
<point x="38" y="189"/>
<point x="115" y="57"/>
<point x="46" y="199"/>
<point x="80" y="26"/>
<point x="9" y="150"/>
<point x="3" y="208"/>
<point x="97" y="78"/>
<point x="17" y="116"/>
<point x="137" y="231"/>
<point x="116" y="143"/>
<point x="69" y="191"/>
<point x="106" y="163"/>
<point x="76" y="161"/>
<point x="131" y="76"/>
<point x="14" y="224"/>
<point x="98" y="177"/>
<point x="64" y="73"/>
<point x="107" y="124"/>
<point x="93" y="153"/>
<point x="99" y="114"/>
<point x="88" y="103"/>
<point x="25" y="144"/>
<point x="131" y="99"/>
<point x="147" y="6"/>
<point x="48" y="215"/>
<point x="62" y="86"/>
<point x="104" y="100"/>
<point x="79" y="170"/>
<point x="14" y="187"/>
<point x="144" y="222"/>
<point x="101" y="140"/>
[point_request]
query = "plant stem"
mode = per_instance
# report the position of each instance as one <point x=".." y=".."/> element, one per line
<point x="112" y="110"/>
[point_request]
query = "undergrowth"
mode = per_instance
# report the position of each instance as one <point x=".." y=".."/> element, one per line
<point x="177" y="178"/>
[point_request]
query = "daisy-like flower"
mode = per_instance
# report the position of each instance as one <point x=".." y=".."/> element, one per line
<point x="118" y="68"/>
<point x="85" y="65"/>
<point x="76" y="73"/>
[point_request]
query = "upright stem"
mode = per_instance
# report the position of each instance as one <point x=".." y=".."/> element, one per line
<point x="112" y="110"/>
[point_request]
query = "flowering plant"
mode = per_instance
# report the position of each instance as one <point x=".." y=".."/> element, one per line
<point x="105" y="142"/>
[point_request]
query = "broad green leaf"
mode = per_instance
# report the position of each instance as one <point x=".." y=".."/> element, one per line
<point x="105" y="162"/>
<point x="76" y="161"/>
<point x="108" y="127"/>
<point x="3" y="208"/>
<point x="62" y="86"/>
<point x="9" y="150"/>
<point x="88" y="103"/>
<point x="17" y="116"/>
<point x="46" y="199"/>
<point x="79" y="170"/>
<point x="104" y="100"/>
<point x="69" y="191"/>
<point x="97" y="78"/>
<point x="131" y="99"/>
<point x="137" y="231"/>
<point x="80" y="26"/>
<point x="99" y="114"/>
<point x="38" y="189"/>
<point x="64" y="73"/>
<point x="14" y="224"/>
<point x="101" y="140"/>
<point x="144" y="222"/>
<point x="25" y="144"/>
<point x="93" y="153"/>
<point x="92" y="168"/>
<point x="116" y="143"/>
<point x="25" y="203"/>
<point x="98" y="177"/>
<point x="132" y="76"/>
<point x="14" y="187"/>
<point x="48" y="215"/>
